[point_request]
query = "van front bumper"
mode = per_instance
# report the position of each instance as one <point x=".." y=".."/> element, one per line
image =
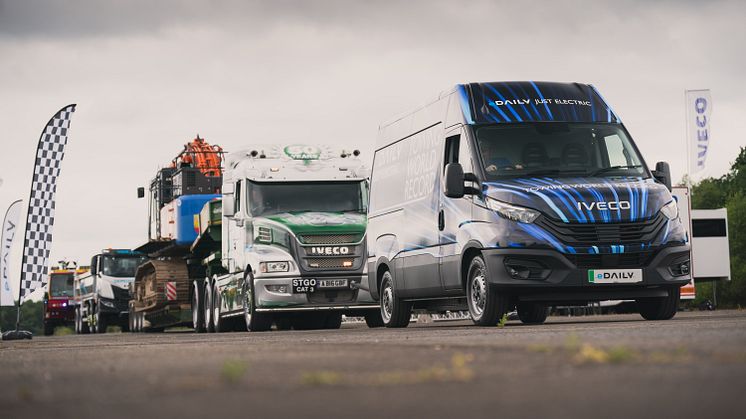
<point x="564" y="282"/>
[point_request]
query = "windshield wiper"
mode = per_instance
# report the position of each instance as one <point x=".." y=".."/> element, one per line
<point x="551" y="172"/>
<point x="612" y="168"/>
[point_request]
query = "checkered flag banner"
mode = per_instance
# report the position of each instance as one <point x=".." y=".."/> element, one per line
<point x="40" y="219"/>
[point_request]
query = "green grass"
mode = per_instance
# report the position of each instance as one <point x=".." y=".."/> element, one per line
<point x="233" y="370"/>
<point x="503" y="320"/>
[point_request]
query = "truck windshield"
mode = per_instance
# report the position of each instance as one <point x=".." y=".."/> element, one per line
<point x="557" y="150"/>
<point x="61" y="285"/>
<point x="121" y="266"/>
<point x="277" y="197"/>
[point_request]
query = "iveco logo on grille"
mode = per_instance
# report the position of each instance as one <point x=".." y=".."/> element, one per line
<point x="603" y="205"/>
<point x="330" y="250"/>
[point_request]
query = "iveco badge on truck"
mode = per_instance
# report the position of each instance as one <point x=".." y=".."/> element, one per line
<point x="521" y="195"/>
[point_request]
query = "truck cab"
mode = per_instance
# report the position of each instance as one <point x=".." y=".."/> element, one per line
<point x="102" y="294"/>
<point x="59" y="306"/>
<point x="522" y="195"/>
<point x="293" y="240"/>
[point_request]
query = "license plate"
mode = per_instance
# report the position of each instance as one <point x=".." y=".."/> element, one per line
<point x="303" y="286"/>
<point x="614" y="276"/>
<point x="332" y="283"/>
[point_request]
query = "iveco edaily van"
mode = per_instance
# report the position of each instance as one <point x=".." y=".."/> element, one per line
<point x="520" y="195"/>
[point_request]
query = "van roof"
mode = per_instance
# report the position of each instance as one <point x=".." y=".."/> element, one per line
<point x="529" y="101"/>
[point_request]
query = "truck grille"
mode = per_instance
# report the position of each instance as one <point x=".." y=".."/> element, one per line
<point x="611" y="261"/>
<point x="577" y="234"/>
<point x="329" y="238"/>
<point x="326" y="263"/>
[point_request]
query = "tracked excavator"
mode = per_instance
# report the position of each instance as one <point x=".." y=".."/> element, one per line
<point x="162" y="289"/>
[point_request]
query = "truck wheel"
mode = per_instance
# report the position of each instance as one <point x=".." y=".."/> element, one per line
<point x="77" y="320"/>
<point x="209" y="324"/>
<point x="198" y="301"/>
<point x="374" y="319"/>
<point x="255" y="322"/>
<point x="101" y="320"/>
<point x="486" y="305"/>
<point x="532" y="313"/>
<point x="333" y="321"/>
<point x="221" y="325"/>
<point x="48" y="329"/>
<point x="660" y="308"/>
<point x="395" y="312"/>
<point x="84" y="326"/>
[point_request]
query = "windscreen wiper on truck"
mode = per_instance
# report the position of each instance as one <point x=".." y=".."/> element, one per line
<point x="612" y="168"/>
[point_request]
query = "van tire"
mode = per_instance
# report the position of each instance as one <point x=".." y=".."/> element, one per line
<point x="663" y="308"/>
<point x="532" y="313"/>
<point x="374" y="319"/>
<point x="395" y="312"/>
<point x="486" y="305"/>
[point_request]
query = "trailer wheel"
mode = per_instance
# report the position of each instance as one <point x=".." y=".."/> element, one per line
<point x="486" y="305"/>
<point x="660" y="308"/>
<point x="532" y="313"/>
<point x="198" y="301"/>
<point x="255" y="322"/>
<point x="209" y="324"/>
<point x="395" y="312"/>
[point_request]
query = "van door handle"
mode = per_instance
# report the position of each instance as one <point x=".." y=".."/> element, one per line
<point x="441" y="220"/>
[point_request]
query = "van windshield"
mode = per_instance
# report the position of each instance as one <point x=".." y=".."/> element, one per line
<point x="279" y="197"/>
<point x="558" y="150"/>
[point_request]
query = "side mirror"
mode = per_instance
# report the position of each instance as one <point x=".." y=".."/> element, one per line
<point x="228" y="207"/>
<point x="454" y="180"/>
<point x="94" y="265"/>
<point x="141" y="192"/>
<point x="662" y="173"/>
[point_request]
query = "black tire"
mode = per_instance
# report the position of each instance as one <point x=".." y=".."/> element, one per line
<point x="48" y="329"/>
<point x="220" y="324"/>
<point x="255" y="322"/>
<point x="333" y="321"/>
<point x="77" y="321"/>
<point x="486" y="305"/>
<point x="102" y="322"/>
<point x="532" y="313"/>
<point x="374" y="319"/>
<point x="209" y="324"/>
<point x="660" y="308"/>
<point x="395" y="312"/>
<point x="198" y="302"/>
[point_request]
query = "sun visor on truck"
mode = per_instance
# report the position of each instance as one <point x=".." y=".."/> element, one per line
<point x="527" y="101"/>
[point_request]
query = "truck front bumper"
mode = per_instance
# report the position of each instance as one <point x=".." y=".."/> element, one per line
<point x="559" y="280"/>
<point x="269" y="299"/>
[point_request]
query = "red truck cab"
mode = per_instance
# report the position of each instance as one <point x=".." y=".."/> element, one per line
<point x="59" y="307"/>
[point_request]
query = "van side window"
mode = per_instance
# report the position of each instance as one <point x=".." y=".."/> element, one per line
<point x="237" y="198"/>
<point x="452" y="146"/>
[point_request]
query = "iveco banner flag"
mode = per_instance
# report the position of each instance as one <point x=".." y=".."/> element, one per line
<point x="10" y="226"/>
<point x="40" y="219"/>
<point x="698" y="110"/>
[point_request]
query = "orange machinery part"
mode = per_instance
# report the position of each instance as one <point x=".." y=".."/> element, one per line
<point x="198" y="153"/>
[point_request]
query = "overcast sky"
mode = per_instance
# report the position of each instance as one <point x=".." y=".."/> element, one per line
<point x="149" y="75"/>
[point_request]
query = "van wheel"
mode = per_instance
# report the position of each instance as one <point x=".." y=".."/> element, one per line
<point x="207" y="307"/>
<point x="198" y="301"/>
<point x="660" y="308"/>
<point x="486" y="305"/>
<point x="374" y="319"/>
<point x="532" y="313"/>
<point x="255" y="322"/>
<point x="394" y="311"/>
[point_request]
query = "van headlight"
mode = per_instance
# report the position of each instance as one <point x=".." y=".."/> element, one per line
<point x="269" y="267"/>
<point x="512" y="212"/>
<point x="670" y="210"/>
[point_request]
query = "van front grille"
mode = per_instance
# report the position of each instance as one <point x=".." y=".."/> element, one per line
<point x="581" y="234"/>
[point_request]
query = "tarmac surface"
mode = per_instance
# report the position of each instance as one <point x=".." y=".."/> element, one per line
<point x="591" y="366"/>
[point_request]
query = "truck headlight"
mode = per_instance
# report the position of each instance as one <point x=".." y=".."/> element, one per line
<point x="670" y="210"/>
<point x="269" y="267"/>
<point x="512" y="212"/>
